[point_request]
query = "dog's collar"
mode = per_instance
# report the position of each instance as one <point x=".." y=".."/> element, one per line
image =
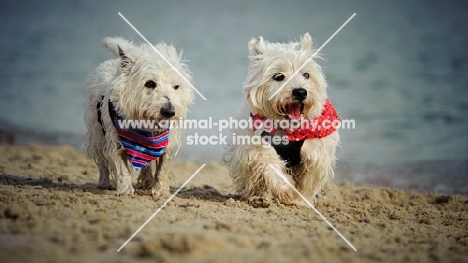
<point x="318" y="127"/>
<point x="141" y="146"/>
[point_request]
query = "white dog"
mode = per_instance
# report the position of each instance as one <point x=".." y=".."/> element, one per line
<point x="137" y="86"/>
<point x="304" y="153"/>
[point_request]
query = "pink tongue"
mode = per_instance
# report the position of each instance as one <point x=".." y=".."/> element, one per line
<point x="295" y="112"/>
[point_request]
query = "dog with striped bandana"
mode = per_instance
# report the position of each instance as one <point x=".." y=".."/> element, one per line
<point x="130" y="102"/>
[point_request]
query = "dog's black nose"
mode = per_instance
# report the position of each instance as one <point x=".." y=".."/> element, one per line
<point x="168" y="111"/>
<point x="299" y="93"/>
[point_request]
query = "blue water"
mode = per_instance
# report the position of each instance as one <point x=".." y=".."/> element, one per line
<point x="399" y="68"/>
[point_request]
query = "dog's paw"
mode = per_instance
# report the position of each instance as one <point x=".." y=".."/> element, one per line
<point x="285" y="194"/>
<point x="160" y="190"/>
<point x="125" y="189"/>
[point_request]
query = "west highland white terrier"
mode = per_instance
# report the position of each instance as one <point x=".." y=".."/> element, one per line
<point x="137" y="86"/>
<point x="295" y="123"/>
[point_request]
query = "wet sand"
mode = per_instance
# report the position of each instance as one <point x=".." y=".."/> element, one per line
<point x="51" y="211"/>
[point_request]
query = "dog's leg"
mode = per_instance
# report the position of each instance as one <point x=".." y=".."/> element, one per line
<point x="310" y="176"/>
<point x="124" y="176"/>
<point x="104" y="182"/>
<point x="316" y="171"/>
<point x="253" y="174"/>
<point x="161" y="175"/>
<point x="145" y="179"/>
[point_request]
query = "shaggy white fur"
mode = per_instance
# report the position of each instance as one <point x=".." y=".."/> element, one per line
<point x="271" y="64"/>
<point x="124" y="81"/>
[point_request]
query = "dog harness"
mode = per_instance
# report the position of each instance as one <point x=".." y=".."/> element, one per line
<point x="141" y="146"/>
<point x="318" y="127"/>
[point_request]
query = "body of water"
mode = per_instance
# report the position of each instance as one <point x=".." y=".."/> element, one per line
<point x="399" y="69"/>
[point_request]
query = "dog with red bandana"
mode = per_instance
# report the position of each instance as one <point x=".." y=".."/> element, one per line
<point x="295" y="120"/>
<point x="130" y="103"/>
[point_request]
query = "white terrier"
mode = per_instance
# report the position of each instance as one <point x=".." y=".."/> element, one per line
<point x="138" y="86"/>
<point x="304" y="153"/>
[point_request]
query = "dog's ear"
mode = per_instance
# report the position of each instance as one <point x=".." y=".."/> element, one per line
<point x="125" y="62"/>
<point x="306" y="43"/>
<point x="256" y="46"/>
<point x="111" y="43"/>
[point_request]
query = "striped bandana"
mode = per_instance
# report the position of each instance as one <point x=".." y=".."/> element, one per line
<point x="141" y="146"/>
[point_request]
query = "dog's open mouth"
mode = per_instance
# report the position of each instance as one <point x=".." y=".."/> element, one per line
<point x="294" y="111"/>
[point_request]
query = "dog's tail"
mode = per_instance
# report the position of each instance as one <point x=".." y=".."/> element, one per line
<point x="112" y="43"/>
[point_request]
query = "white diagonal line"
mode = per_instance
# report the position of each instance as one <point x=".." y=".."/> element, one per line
<point x="312" y="206"/>
<point x="159" y="53"/>
<point x="161" y="207"/>
<point x="311" y="57"/>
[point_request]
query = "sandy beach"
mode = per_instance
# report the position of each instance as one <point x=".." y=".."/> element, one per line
<point x="51" y="211"/>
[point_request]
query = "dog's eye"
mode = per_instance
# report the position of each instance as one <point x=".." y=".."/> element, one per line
<point x="176" y="86"/>
<point x="278" y="77"/>
<point x="150" y="84"/>
<point x="306" y="75"/>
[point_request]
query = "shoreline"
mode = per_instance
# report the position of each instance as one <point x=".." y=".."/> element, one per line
<point x="424" y="176"/>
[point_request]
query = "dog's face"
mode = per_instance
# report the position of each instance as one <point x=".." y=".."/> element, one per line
<point x="147" y="88"/>
<point x="271" y="67"/>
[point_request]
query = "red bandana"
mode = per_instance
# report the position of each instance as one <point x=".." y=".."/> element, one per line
<point x="318" y="127"/>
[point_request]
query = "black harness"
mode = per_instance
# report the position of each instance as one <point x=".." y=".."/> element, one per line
<point x="291" y="152"/>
